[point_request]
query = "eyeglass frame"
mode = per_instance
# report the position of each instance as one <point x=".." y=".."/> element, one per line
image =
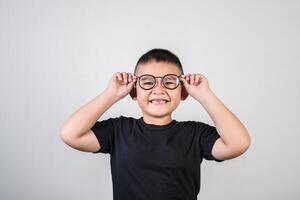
<point x="161" y="82"/>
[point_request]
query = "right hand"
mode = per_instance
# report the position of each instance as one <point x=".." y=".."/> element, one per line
<point x="121" y="84"/>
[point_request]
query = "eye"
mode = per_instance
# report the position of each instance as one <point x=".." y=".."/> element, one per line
<point x="169" y="83"/>
<point x="148" y="83"/>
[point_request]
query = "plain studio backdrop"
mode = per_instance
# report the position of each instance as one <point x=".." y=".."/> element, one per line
<point x="55" y="56"/>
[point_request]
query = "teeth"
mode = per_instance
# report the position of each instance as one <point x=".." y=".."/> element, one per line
<point x="158" y="101"/>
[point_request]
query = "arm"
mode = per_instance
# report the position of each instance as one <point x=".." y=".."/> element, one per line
<point x="234" y="139"/>
<point x="76" y="131"/>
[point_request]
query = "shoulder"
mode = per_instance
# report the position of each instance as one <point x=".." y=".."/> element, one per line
<point x="119" y="120"/>
<point x="195" y="126"/>
<point x="126" y="118"/>
<point x="192" y="123"/>
<point x="114" y="123"/>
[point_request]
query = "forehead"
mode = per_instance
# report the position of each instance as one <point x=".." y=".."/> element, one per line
<point x="157" y="69"/>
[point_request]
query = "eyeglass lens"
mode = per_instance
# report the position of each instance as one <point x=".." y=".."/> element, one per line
<point x="169" y="81"/>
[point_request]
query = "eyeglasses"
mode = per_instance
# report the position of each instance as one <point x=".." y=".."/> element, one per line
<point x="169" y="81"/>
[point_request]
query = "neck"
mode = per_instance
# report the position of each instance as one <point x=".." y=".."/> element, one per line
<point x="157" y="120"/>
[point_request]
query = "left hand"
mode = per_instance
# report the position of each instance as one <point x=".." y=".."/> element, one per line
<point x="195" y="84"/>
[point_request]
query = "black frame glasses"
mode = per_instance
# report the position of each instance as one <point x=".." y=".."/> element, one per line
<point x="162" y="82"/>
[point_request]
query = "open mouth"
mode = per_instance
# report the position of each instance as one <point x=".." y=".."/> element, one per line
<point x="159" y="101"/>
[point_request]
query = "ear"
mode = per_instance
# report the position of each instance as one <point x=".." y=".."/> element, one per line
<point x="133" y="92"/>
<point x="184" y="93"/>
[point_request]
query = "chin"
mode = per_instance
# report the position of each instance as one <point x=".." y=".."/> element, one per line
<point x="159" y="113"/>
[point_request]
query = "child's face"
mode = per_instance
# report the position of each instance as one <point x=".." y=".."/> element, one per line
<point x="157" y="110"/>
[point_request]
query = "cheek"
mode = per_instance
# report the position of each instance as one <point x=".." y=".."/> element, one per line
<point x="176" y="94"/>
<point x="142" y="95"/>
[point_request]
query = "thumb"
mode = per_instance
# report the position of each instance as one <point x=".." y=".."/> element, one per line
<point x="185" y="83"/>
<point x="130" y="85"/>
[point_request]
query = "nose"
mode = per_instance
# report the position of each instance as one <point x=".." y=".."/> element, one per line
<point x="158" y="88"/>
<point x="158" y="92"/>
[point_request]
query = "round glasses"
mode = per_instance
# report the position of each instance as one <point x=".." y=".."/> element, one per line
<point x="169" y="81"/>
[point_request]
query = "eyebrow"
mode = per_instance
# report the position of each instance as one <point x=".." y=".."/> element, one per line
<point x="159" y="76"/>
<point x="170" y="78"/>
<point x="145" y="78"/>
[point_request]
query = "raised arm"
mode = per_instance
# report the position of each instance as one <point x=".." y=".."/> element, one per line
<point x="234" y="138"/>
<point x="76" y="131"/>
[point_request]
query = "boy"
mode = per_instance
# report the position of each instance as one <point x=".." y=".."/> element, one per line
<point x="155" y="156"/>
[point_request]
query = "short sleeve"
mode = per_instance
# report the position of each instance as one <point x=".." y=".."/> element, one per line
<point x="208" y="137"/>
<point x="104" y="131"/>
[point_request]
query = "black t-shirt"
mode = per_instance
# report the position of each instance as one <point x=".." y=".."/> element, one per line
<point x="155" y="161"/>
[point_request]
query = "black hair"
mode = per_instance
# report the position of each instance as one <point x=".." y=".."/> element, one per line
<point x="159" y="55"/>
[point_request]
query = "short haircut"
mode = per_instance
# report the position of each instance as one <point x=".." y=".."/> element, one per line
<point x="159" y="55"/>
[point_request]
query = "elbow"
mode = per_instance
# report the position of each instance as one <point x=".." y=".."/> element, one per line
<point x="62" y="133"/>
<point x="244" y="145"/>
<point x="64" y="136"/>
<point x="247" y="142"/>
<point x="241" y="147"/>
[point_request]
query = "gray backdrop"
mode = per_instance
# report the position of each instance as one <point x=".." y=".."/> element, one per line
<point x="55" y="56"/>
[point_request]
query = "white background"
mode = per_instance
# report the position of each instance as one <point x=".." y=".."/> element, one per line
<point x="55" y="56"/>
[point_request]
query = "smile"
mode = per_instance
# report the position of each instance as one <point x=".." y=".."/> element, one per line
<point x="159" y="101"/>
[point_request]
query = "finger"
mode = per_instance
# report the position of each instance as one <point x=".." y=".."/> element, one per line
<point x="192" y="79"/>
<point x="187" y="77"/>
<point x="124" y="75"/>
<point x="118" y="76"/>
<point x="202" y="78"/>
<point x="197" y="79"/>
<point x="130" y="85"/>
<point x="126" y="78"/>
<point x="200" y="74"/>
<point x="182" y="77"/>
<point x="185" y="83"/>
<point x="130" y="77"/>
